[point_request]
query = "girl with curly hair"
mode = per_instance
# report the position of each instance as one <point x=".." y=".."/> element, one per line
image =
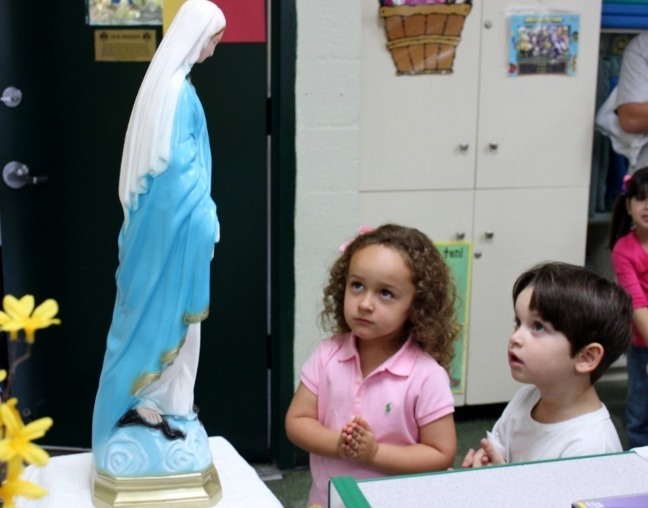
<point x="375" y="399"/>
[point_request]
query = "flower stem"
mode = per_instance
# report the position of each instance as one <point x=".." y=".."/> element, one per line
<point x="12" y="370"/>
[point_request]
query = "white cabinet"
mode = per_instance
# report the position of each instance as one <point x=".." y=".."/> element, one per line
<point x="503" y="161"/>
<point x="412" y="128"/>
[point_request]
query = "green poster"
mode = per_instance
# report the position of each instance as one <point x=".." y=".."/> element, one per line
<point x="458" y="256"/>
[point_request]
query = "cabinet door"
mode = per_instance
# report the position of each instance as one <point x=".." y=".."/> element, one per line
<point x="417" y="132"/>
<point x="513" y="230"/>
<point x="540" y="124"/>
<point x="443" y="216"/>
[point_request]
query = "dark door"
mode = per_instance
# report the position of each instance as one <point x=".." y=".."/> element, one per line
<point x="59" y="239"/>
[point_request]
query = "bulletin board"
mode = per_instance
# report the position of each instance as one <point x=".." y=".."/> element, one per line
<point x="123" y="12"/>
<point x="246" y="20"/>
<point x="458" y="257"/>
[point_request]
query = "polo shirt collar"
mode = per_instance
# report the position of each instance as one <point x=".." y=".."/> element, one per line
<point x="400" y="363"/>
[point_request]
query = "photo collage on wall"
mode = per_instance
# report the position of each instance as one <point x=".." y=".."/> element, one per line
<point x="543" y="43"/>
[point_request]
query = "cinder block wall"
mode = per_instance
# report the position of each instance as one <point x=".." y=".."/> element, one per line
<point x="327" y="92"/>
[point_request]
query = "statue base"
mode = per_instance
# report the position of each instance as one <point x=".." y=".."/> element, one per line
<point x="137" y="466"/>
<point x="194" y="490"/>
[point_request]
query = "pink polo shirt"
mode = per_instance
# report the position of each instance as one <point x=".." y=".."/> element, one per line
<point x="406" y="392"/>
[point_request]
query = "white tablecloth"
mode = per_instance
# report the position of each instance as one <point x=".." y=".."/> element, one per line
<point x="68" y="480"/>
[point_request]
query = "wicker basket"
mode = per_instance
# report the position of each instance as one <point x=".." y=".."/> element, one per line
<point x="423" y="39"/>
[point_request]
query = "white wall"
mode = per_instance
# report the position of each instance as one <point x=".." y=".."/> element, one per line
<point x="344" y="144"/>
<point x="327" y="99"/>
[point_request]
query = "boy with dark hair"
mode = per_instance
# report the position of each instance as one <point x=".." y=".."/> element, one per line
<point x="571" y="324"/>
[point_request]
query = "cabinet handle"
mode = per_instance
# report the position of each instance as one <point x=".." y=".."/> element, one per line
<point x="489" y="235"/>
<point x="493" y="145"/>
<point x="488" y="23"/>
<point x="464" y="146"/>
<point x="460" y="235"/>
<point x="478" y="254"/>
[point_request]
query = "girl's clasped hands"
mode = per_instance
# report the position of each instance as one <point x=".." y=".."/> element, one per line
<point x="357" y="441"/>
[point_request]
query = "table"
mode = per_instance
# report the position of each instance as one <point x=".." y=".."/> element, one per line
<point x="555" y="483"/>
<point x="67" y="479"/>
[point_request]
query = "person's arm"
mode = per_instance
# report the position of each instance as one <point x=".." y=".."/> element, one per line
<point x="640" y="320"/>
<point x="632" y="96"/>
<point x="627" y="278"/>
<point x="304" y="429"/>
<point x="633" y="117"/>
<point x="435" y="451"/>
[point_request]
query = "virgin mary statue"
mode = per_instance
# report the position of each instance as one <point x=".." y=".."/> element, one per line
<point x="144" y="421"/>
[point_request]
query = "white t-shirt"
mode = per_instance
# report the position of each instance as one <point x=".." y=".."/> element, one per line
<point x="519" y="438"/>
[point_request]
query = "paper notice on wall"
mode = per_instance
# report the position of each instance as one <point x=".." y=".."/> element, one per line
<point x="124" y="45"/>
<point x="458" y="257"/>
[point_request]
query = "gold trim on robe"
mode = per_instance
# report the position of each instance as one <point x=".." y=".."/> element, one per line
<point x="189" y="319"/>
<point x="167" y="358"/>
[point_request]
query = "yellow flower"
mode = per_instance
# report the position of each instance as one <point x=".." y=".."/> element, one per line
<point x="19" y="436"/>
<point x="16" y="312"/>
<point x="6" y="324"/>
<point x="13" y="486"/>
<point x="11" y="405"/>
<point x="3" y="375"/>
<point x="18" y="315"/>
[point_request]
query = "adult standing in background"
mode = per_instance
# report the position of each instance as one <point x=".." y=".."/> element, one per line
<point x="632" y="94"/>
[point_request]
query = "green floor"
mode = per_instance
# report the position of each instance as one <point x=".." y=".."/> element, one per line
<point x="471" y="423"/>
